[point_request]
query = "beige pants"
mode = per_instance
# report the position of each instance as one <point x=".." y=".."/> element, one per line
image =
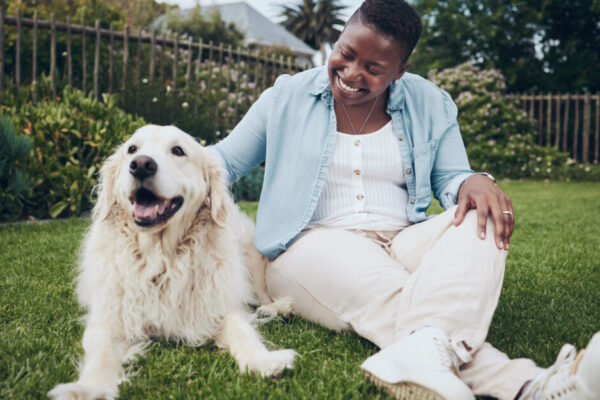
<point x="384" y="285"/>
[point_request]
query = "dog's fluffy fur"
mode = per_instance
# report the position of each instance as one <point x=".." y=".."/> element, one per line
<point x="146" y="273"/>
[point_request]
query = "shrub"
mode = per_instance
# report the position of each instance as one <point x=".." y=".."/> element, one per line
<point x="71" y="136"/>
<point x="499" y="137"/>
<point x="14" y="182"/>
<point x="248" y="188"/>
<point x="214" y="102"/>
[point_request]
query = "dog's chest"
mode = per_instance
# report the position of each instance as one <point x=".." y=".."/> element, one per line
<point x="179" y="297"/>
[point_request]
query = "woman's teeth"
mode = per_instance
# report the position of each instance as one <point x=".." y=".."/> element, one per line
<point x="346" y="87"/>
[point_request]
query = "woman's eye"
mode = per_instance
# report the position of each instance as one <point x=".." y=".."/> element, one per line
<point x="132" y="149"/>
<point x="178" y="151"/>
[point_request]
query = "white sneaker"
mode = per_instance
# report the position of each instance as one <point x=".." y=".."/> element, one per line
<point x="572" y="377"/>
<point x="419" y="367"/>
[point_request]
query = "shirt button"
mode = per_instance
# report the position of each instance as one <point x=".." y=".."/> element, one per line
<point x="360" y="197"/>
<point x="409" y="171"/>
<point x="357" y="172"/>
<point x="357" y="142"/>
<point x="412" y="202"/>
<point x="401" y="138"/>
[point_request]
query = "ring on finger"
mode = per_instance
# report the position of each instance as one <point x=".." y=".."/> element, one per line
<point x="507" y="212"/>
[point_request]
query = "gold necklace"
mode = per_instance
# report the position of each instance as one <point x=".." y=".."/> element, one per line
<point x="366" y="119"/>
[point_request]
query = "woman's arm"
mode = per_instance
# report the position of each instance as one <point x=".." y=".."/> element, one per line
<point x="454" y="182"/>
<point x="245" y="146"/>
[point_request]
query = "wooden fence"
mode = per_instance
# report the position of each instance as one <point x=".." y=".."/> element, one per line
<point x="100" y="61"/>
<point x="570" y="122"/>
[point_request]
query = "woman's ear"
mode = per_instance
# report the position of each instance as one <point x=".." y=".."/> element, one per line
<point x="402" y="70"/>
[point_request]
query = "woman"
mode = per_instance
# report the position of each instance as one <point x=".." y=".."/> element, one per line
<point x="352" y="153"/>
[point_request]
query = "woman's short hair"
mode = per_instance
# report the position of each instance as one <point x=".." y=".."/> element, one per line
<point x="395" y="19"/>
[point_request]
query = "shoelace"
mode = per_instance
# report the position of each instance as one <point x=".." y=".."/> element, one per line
<point x="448" y="357"/>
<point x="557" y="382"/>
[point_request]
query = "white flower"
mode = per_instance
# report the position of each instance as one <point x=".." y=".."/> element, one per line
<point x="203" y="142"/>
<point x="169" y="88"/>
<point x="155" y="99"/>
<point x="185" y="104"/>
<point x="587" y="169"/>
<point x="145" y="80"/>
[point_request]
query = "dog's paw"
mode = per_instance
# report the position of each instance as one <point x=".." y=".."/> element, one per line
<point x="78" y="391"/>
<point x="275" y="362"/>
<point x="269" y="311"/>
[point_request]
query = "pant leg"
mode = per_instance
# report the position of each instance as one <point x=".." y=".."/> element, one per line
<point x="456" y="283"/>
<point x="341" y="280"/>
<point x="492" y="373"/>
<point x="345" y="281"/>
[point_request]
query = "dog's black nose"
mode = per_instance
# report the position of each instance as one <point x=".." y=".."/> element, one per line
<point x="142" y="167"/>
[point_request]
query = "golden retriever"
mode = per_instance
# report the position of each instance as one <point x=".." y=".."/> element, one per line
<point x="170" y="255"/>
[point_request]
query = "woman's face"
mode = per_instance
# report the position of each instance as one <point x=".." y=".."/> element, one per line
<point x="363" y="64"/>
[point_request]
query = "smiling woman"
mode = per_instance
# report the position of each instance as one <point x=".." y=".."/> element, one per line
<point x="352" y="154"/>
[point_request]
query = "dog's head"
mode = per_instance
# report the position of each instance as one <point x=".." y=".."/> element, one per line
<point x="159" y="175"/>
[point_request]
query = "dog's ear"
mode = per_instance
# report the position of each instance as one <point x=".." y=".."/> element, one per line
<point x="105" y="189"/>
<point x="218" y="194"/>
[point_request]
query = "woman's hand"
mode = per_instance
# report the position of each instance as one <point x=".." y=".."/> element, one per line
<point x="481" y="193"/>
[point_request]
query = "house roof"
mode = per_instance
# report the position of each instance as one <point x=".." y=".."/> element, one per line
<point x="258" y="28"/>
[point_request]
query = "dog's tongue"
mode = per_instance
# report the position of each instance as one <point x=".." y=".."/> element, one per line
<point x="149" y="211"/>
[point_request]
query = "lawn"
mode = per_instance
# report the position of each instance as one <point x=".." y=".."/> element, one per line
<point x="551" y="296"/>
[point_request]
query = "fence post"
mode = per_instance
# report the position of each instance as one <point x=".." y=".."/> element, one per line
<point x="34" y="59"/>
<point x="576" y="128"/>
<point x="138" y="68"/>
<point x="549" y="120"/>
<point x="83" y="58"/>
<point x="152" y="56"/>
<point x="53" y="56"/>
<point x="97" y="59"/>
<point x="175" y="61"/>
<point x="557" y="139"/>
<point x="111" y="65"/>
<point x="188" y="72"/>
<point x="18" y="53"/>
<point x="125" y="57"/>
<point x="1" y="49"/>
<point x="597" y="134"/>
<point x="69" y="55"/>
<point x="566" y="123"/>
<point x="585" y="145"/>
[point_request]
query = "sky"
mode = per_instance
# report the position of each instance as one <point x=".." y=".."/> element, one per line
<point x="269" y="8"/>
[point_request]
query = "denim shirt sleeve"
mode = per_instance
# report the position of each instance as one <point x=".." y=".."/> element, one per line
<point x="451" y="165"/>
<point x="245" y="146"/>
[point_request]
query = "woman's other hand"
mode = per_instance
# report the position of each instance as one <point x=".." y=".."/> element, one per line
<point x="481" y="193"/>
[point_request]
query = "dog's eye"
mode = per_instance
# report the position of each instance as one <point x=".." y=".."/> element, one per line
<point x="178" y="151"/>
<point x="132" y="149"/>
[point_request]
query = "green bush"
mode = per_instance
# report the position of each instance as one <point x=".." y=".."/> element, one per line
<point x="14" y="182"/>
<point x="499" y="137"/>
<point x="248" y="188"/>
<point x="215" y="102"/>
<point x="72" y="136"/>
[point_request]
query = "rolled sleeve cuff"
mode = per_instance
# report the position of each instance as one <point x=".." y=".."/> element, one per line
<point x="449" y="197"/>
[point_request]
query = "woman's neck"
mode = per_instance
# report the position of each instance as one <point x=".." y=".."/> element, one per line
<point x="375" y="119"/>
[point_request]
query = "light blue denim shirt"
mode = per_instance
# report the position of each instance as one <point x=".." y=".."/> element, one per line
<point x="292" y="127"/>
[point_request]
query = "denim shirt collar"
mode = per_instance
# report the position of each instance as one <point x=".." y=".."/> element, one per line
<point x="322" y="87"/>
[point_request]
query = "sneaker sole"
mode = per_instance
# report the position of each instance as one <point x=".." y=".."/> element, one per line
<point x="404" y="390"/>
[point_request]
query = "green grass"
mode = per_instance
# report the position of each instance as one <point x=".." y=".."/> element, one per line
<point x="551" y="296"/>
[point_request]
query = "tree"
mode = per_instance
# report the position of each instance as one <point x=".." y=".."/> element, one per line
<point x="315" y="22"/>
<point x="541" y="45"/>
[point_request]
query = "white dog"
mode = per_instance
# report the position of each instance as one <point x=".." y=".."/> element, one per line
<point x="166" y="256"/>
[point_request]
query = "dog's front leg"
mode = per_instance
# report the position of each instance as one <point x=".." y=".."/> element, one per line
<point x="244" y="343"/>
<point x="101" y="369"/>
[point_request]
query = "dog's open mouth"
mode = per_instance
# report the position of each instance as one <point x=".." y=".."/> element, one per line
<point x="150" y="210"/>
